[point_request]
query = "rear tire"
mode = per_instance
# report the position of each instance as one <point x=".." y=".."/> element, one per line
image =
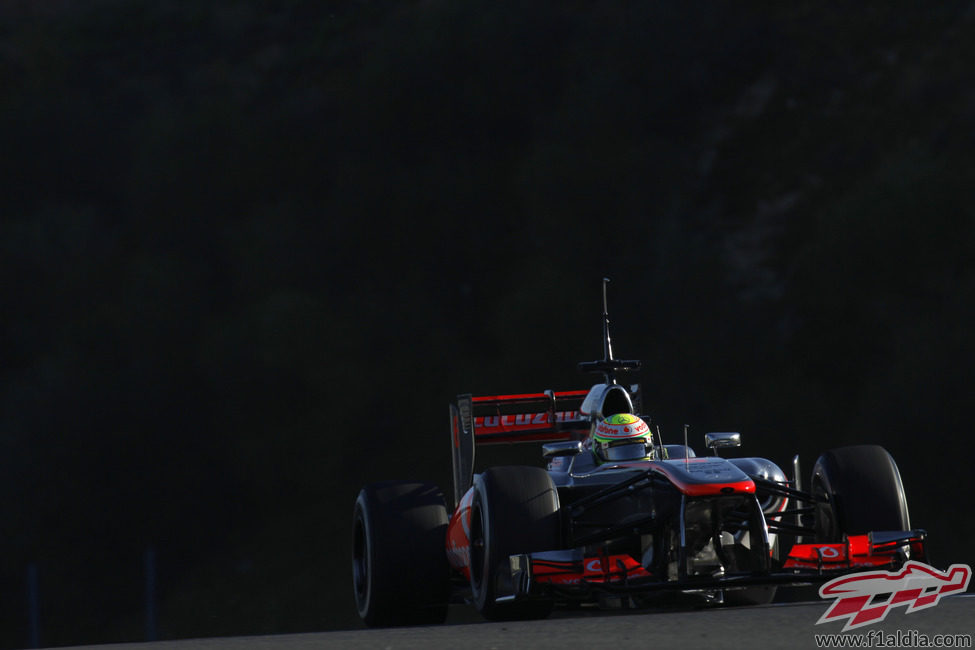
<point x="400" y="574"/>
<point x="515" y="510"/>
<point x="865" y="493"/>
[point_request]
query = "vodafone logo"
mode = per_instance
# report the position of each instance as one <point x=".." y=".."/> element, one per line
<point x="916" y="586"/>
<point x="622" y="426"/>
<point x="487" y="423"/>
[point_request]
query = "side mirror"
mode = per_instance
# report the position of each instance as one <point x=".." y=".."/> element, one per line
<point x="720" y="440"/>
<point x="553" y="449"/>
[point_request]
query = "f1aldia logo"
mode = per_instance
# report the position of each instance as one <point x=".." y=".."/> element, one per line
<point x="865" y="598"/>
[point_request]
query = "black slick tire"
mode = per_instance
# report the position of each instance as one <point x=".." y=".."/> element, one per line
<point x="400" y="574"/>
<point x="864" y="492"/>
<point x="514" y="510"/>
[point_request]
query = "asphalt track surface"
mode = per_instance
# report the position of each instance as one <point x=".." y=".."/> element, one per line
<point x="788" y="625"/>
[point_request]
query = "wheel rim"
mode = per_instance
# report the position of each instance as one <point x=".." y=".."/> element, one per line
<point x="477" y="550"/>
<point x="360" y="565"/>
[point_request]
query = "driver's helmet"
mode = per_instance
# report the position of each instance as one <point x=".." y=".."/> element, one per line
<point x="622" y="437"/>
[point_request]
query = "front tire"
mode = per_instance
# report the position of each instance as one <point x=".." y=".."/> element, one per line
<point x="400" y="574"/>
<point x="515" y="510"/>
<point x="864" y="493"/>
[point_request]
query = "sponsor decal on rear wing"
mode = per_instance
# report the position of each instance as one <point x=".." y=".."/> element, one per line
<point x="527" y="427"/>
<point x="549" y="416"/>
<point x="532" y="417"/>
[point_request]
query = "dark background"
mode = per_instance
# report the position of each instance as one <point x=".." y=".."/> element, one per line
<point x="249" y="251"/>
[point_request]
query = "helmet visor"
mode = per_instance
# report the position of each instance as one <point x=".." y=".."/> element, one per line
<point x="628" y="451"/>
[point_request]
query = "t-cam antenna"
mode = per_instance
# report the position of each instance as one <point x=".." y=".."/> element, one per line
<point x="607" y="343"/>
<point x="608" y="366"/>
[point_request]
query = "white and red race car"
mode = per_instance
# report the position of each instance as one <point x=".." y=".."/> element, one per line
<point x="520" y="540"/>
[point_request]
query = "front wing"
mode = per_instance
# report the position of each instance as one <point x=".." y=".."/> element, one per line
<point x="572" y="575"/>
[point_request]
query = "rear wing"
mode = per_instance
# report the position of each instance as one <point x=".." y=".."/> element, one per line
<point x="549" y="416"/>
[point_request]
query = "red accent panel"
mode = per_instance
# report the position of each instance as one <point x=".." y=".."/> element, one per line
<point x="703" y="489"/>
<point x="458" y="539"/>
<point x="523" y="397"/>
<point x="706" y="489"/>
<point x="536" y="423"/>
<point x="806" y="555"/>
<point x="859" y="545"/>
<point x="856" y="552"/>
<point x="591" y="570"/>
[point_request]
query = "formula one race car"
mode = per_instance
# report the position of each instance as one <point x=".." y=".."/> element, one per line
<point x="618" y="518"/>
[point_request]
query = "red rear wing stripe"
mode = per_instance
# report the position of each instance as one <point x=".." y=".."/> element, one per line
<point x="539" y="417"/>
<point x="529" y="397"/>
<point x="527" y="427"/>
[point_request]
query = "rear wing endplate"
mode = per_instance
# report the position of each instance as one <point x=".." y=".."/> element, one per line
<point x="548" y="416"/>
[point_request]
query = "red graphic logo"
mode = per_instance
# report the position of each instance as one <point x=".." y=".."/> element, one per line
<point x="865" y="598"/>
